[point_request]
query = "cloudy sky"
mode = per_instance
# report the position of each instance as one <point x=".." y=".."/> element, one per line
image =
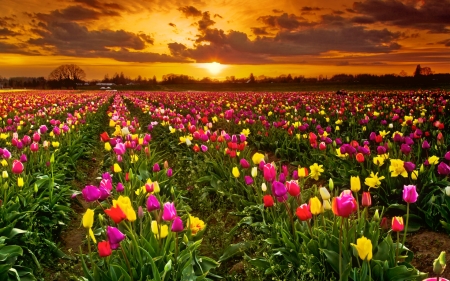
<point x="264" y="37"/>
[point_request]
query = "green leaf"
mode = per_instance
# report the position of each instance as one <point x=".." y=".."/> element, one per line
<point x="401" y="273"/>
<point x="235" y="249"/>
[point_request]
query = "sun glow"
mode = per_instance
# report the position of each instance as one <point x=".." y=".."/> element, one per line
<point x="214" y="67"/>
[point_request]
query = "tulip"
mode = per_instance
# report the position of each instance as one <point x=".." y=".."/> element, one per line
<point x="302" y="172"/>
<point x="117" y="168"/>
<point x="236" y="172"/>
<point x="248" y="180"/>
<point x="344" y="205"/>
<point x="293" y="188"/>
<point x="169" y="172"/>
<point x="107" y="146"/>
<point x="91" y="193"/>
<point x="425" y="144"/>
<point x="324" y="193"/>
<point x="116" y="214"/>
<point x="364" y="248"/>
<point x="447" y="190"/>
<point x="119" y="187"/>
<point x="366" y="199"/>
<point x="264" y="187"/>
<point x="355" y="183"/>
<point x="115" y="236"/>
<point x="177" y="225"/>
<point x="409" y="166"/>
<point x="315" y="205"/>
<point x="156" y="167"/>
<point x="34" y="147"/>
<point x="20" y="182"/>
<point x="443" y="169"/>
<point x="5" y="174"/>
<point x="440" y="264"/>
<point x="160" y="233"/>
<point x="17" y="167"/>
<point x="410" y="193"/>
<point x="104" y="137"/>
<point x="244" y="163"/>
<point x="303" y="212"/>
<point x="88" y="219"/>
<point x="169" y="211"/>
<point x="360" y="157"/>
<point x="23" y="158"/>
<point x="153" y="203"/>
<point x="397" y="224"/>
<point x="268" y="201"/>
<point x="104" y="249"/>
<point x="120" y="148"/>
<point x="270" y="173"/>
<point x="254" y="172"/>
<point x="279" y="189"/>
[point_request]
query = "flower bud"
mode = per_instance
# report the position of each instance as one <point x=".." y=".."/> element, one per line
<point x="330" y="184"/>
<point x="439" y="264"/>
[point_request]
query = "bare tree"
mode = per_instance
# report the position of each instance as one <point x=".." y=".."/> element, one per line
<point x="67" y="75"/>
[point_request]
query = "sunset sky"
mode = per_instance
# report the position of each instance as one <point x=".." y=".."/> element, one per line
<point x="263" y="37"/>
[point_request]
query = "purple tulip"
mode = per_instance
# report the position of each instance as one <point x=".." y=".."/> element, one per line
<point x="381" y="150"/>
<point x="43" y="129"/>
<point x="23" y="158"/>
<point x="248" y="180"/>
<point x="410" y="193"/>
<point x="204" y="148"/>
<point x="156" y="167"/>
<point x="244" y="163"/>
<point x="114" y="236"/>
<point x="409" y="141"/>
<point x="169" y="172"/>
<point x="152" y="203"/>
<point x="425" y="144"/>
<point x="169" y="211"/>
<point x="282" y="178"/>
<point x="278" y="189"/>
<point x="405" y="149"/>
<point x="177" y="225"/>
<point x="398" y="138"/>
<point x="107" y="176"/>
<point x="443" y="169"/>
<point x="91" y="193"/>
<point x="409" y="166"/>
<point x="447" y="156"/>
<point x="6" y="154"/>
<point x="104" y="193"/>
<point x="106" y="183"/>
<point x="119" y="187"/>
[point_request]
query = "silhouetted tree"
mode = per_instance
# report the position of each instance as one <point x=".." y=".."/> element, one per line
<point x="251" y="79"/>
<point x="417" y="72"/>
<point x="66" y="75"/>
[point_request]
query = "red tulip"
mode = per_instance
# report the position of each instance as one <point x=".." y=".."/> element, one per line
<point x="303" y="212"/>
<point x="397" y="224"/>
<point x="116" y="214"/>
<point x="366" y="199"/>
<point x="268" y="201"/>
<point x="360" y="157"/>
<point x="104" y="249"/>
<point x="104" y="136"/>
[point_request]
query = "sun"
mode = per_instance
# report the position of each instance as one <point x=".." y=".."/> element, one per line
<point x="213" y="67"/>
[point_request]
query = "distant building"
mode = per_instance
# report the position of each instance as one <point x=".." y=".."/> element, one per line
<point x="105" y="84"/>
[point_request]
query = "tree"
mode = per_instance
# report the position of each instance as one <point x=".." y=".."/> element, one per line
<point x="403" y="73"/>
<point x="417" y="73"/>
<point x="66" y="75"/>
<point x="251" y="79"/>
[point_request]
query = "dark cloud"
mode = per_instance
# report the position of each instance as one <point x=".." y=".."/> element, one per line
<point x="72" y="37"/>
<point x="310" y="9"/>
<point x="259" y="31"/>
<point x="276" y="11"/>
<point x="333" y="20"/>
<point x="205" y="22"/>
<point x="16" y="49"/>
<point x="172" y="24"/>
<point x="363" y="20"/>
<point x="285" y="21"/>
<point x="75" y="13"/>
<point x="99" y="5"/>
<point x="190" y="11"/>
<point x="445" y="42"/>
<point x="342" y="63"/>
<point x="431" y="15"/>
<point x="218" y="16"/>
<point x="7" y="32"/>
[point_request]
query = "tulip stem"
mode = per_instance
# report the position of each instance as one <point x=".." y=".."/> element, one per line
<point x="340" y="248"/>
<point x="176" y="246"/>
<point x="128" y="263"/>
<point x="406" y="226"/>
<point x="398" y="246"/>
<point x="89" y="247"/>
<point x="290" y="217"/>
<point x="310" y="229"/>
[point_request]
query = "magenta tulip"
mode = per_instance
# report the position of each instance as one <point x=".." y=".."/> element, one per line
<point x="169" y="211"/>
<point x="410" y="193"/>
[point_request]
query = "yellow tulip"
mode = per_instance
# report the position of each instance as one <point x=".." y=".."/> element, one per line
<point x="108" y="146"/>
<point x="164" y="230"/>
<point x="355" y="183"/>
<point x="5" y="174"/>
<point x="364" y="248"/>
<point x="315" y="205"/>
<point x="257" y="158"/>
<point x="117" y="168"/>
<point x="19" y="181"/>
<point x="236" y="172"/>
<point x="254" y="172"/>
<point x="130" y="213"/>
<point x="196" y="224"/>
<point x="88" y="219"/>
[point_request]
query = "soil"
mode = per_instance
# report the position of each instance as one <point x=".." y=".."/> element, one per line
<point x="426" y="246"/>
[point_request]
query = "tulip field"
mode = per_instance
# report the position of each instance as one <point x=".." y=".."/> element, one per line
<point x="222" y="185"/>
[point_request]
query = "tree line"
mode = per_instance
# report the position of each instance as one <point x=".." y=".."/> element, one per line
<point x="71" y="76"/>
